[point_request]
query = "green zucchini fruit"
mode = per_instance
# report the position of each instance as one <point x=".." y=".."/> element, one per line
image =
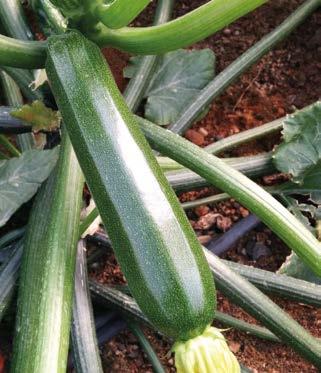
<point x="47" y="273"/>
<point x="155" y="245"/>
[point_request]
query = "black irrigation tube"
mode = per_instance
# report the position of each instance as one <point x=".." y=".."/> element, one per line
<point x="224" y="242"/>
<point x="245" y="61"/>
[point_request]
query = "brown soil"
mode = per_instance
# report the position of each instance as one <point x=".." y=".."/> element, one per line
<point x="286" y="78"/>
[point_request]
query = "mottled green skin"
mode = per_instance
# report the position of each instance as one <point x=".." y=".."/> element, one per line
<point x="46" y="281"/>
<point x="154" y="243"/>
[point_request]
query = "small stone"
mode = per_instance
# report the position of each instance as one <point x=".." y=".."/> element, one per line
<point x="234" y="346"/>
<point x="203" y="240"/>
<point x="227" y="32"/>
<point x="195" y="137"/>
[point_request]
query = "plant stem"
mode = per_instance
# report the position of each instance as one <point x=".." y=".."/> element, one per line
<point x="83" y="333"/>
<point x="205" y="201"/>
<point x="252" y="166"/>
<point x="281" y="285"/>
<point x="238" y="186"/>
<point x="146" y="346"/>
<point x="24" y="79"/>
<point x="139" y="82"/>
<point x="13" y="20"/>
<point x="245" y="136"/>
<point x="13" y="98"/>
<point x="181" y="32"/>
<point x="120" y="13"/>
<point x="22" y="54"/>
<point x="258" y="331"/>
<point x="246" y="60"/>
<point x="4" y="141"/>
<point x="50" y="15"/>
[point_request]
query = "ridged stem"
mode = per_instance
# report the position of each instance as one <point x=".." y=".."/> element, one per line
<point x="13" y="98"/>
<point x="120" y="13"/>
<point x="22" y="54"/>
<point x="146" y="346"/>
<point x="179" y="33"/>
<point x="245" y="136"/>
<point x="13" y="20"/>
<point x="83" y="333"/>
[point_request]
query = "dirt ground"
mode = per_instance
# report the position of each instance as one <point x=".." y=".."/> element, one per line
<point x="287" y="78"/>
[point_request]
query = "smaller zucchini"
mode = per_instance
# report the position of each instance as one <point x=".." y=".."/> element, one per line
<point x="47" y="274"/>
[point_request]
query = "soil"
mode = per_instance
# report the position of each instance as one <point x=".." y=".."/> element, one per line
<point x="288" y="77"/>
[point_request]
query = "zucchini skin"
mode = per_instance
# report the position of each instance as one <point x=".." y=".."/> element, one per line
<point x="154" y="243"/>
<point x="47" y="270"/>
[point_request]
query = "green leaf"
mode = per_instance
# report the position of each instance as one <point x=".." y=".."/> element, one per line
<point x="39" y="116"/>
<point x="178" y="79"/>
<point x="21" y="177"/>
<point x="300" y="153"/>
<point x="294" y="267"/>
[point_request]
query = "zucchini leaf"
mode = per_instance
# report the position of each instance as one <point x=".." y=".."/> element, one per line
<point x="294" y="267"/>
<point x="39" y="116"/>
<point x="300" y="153"/>
<point x="178" y="79"/>
<point x="300" y="156"/>
<point x="21" y="177"/>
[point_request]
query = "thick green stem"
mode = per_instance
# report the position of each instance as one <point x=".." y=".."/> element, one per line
<point x="245" y="136"/>
<point x="246" y="60"/>
<point x="252" y="329"/>
<point x="120" y="13"/>
<point x="14" y="20"/>
<point x="22" y="54"/>
<point x="238" y="186"/>
<point x="181" y="32"/>
<point x="13" y="98"/>
<point x="143" y="341"/>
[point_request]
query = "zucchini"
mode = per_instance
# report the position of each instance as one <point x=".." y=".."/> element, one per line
<point x="47" y="273"/>
<point x="154" y="243"/>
